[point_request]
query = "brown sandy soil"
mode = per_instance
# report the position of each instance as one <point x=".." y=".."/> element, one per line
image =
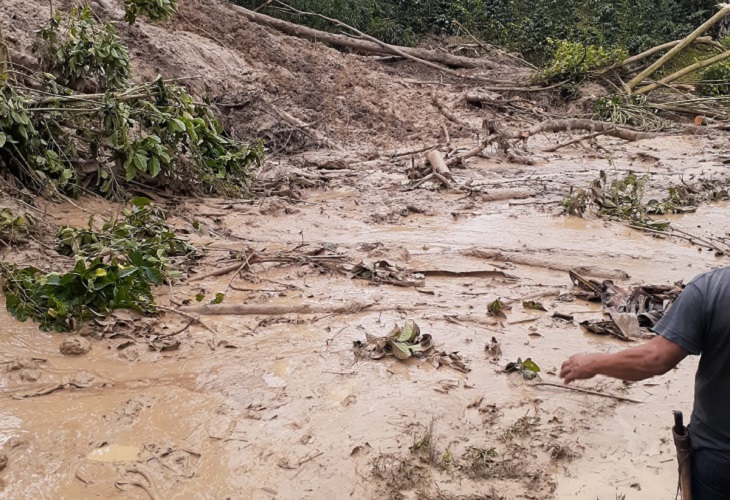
<point x="260" y="407"/>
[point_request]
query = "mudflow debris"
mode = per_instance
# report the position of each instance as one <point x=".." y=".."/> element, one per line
<point x="630" y="312"/>
<point x="406" y="342"/>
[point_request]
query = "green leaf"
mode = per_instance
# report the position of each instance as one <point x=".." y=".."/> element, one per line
<point x="400" y="350"/>
<point x="199" y="297"/>
<point x="530" y="365"/>
<point x="3" y="139"/>
<point x="154" y="166"/>
<point x="218" y="298"/>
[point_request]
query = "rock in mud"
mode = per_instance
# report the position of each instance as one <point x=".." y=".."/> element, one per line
<point x="75" y="346"/>
<point x="3" y="461"/>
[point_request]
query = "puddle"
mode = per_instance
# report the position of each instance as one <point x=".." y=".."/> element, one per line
<point x="114" y="453"/>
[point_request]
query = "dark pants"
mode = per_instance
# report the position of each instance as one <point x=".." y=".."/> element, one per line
<point x="710" y="476"/>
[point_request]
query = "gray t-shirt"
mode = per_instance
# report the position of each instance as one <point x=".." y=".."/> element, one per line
<point x="699" y="322"/>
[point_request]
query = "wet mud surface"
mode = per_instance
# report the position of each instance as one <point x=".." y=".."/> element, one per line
<point x="260" y="407"/>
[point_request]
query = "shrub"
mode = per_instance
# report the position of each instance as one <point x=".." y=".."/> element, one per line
<point x="573" y="60"/>
<point x="78" y="47"/>
<point x="715" y="80"/>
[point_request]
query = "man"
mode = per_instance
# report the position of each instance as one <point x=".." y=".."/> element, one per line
<point x="698" y="323"/>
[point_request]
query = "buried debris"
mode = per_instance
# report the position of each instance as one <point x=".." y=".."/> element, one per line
<point x="382" y="271"/>
<point x="406" y="342"/>
<point x="528" y="368"/>
<point x="630" y="312"/>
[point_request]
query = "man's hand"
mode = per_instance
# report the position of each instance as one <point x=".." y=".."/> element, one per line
<point x="578" y="367"/>
<point x="652" y="358"/>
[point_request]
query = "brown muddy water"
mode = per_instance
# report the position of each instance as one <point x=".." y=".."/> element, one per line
<point x="280" y="408"/>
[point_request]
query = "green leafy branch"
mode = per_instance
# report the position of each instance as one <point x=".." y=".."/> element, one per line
<point x="77" y="47"/>
<point x="115" y="269"/>
<point x="154" y="10"/>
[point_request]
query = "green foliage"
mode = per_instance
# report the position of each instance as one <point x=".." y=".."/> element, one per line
<point x="715" y="80"/>
<point x="574" y="60"/>
<point x="527" y="368"/>
<point x="79" y="48"/>
<point x="115" y="269"/>
<point x="154" y="10"/>
<point x="624" y="109"/>
<point x="521" y="25"/>
<point x="32" y="146"/>
<point x="142" y="234"/>
<point x="61" y="302"/>
<point x="623" y="198"/>
<point x="147" y="134"/>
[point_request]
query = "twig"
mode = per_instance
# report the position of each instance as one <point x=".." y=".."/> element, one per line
<point x="585" y="391"/>
<point x="396" y="154"/>
<point x="194" y="319"/>
<point x="418" y="183"/>
<point x="178" y="332"/>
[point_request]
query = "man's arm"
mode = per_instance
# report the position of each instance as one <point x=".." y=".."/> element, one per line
<point x="655" y="357"/>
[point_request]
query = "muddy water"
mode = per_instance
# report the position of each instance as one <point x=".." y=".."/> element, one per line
<point x="279" y="408"/>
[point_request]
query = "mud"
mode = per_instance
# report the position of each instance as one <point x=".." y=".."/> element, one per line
<point x="279" y="407"/>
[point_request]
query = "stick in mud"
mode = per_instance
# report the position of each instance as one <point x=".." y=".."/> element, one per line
<point x="586" y="391"/>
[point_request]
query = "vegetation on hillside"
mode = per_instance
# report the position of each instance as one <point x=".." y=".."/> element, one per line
<point x="520" y="25"/>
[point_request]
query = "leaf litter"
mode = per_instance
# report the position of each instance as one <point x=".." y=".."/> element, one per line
<point x="405" y="342"/>
<point x="631" y="312"/>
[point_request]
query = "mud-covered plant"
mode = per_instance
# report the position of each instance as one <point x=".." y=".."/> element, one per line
<point x="31" y="144"/>
<point x="61" y="302"/>
<point x="79" y="48"/>
<point x="115" y="269"/>
<point x="623" y="198"/>
<point x="141" y="235"/>
<point x="574" y="60"/>
<point x="527" y="368"/>
<point x="13" y="229"/>
<point x="154" y="10"/>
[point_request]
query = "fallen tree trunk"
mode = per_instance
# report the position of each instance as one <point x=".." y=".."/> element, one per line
<point x="362" y="45"/>
<point x="677" y="48"/>
<point x="684" y="72"/>
<point x="438" y="164"/>
<point x="523" y="259"/>
<point x="274" y="309"/>
<point x="706" y="40"/>
<point x="581" y="124"/>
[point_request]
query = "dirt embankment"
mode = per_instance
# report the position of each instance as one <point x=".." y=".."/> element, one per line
<point x="278" y="406"/>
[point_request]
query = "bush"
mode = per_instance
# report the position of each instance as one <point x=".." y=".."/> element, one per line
<point x="522" y="25"/>
<point x="115" y="269"/>
<point x="715" y="80"/>
<point x="573" y="60"/>
<point x="154" y="10"/>
<point x="78" y="47"/>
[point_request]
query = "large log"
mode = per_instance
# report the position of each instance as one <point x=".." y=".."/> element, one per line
<point x="361" y="45"/>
